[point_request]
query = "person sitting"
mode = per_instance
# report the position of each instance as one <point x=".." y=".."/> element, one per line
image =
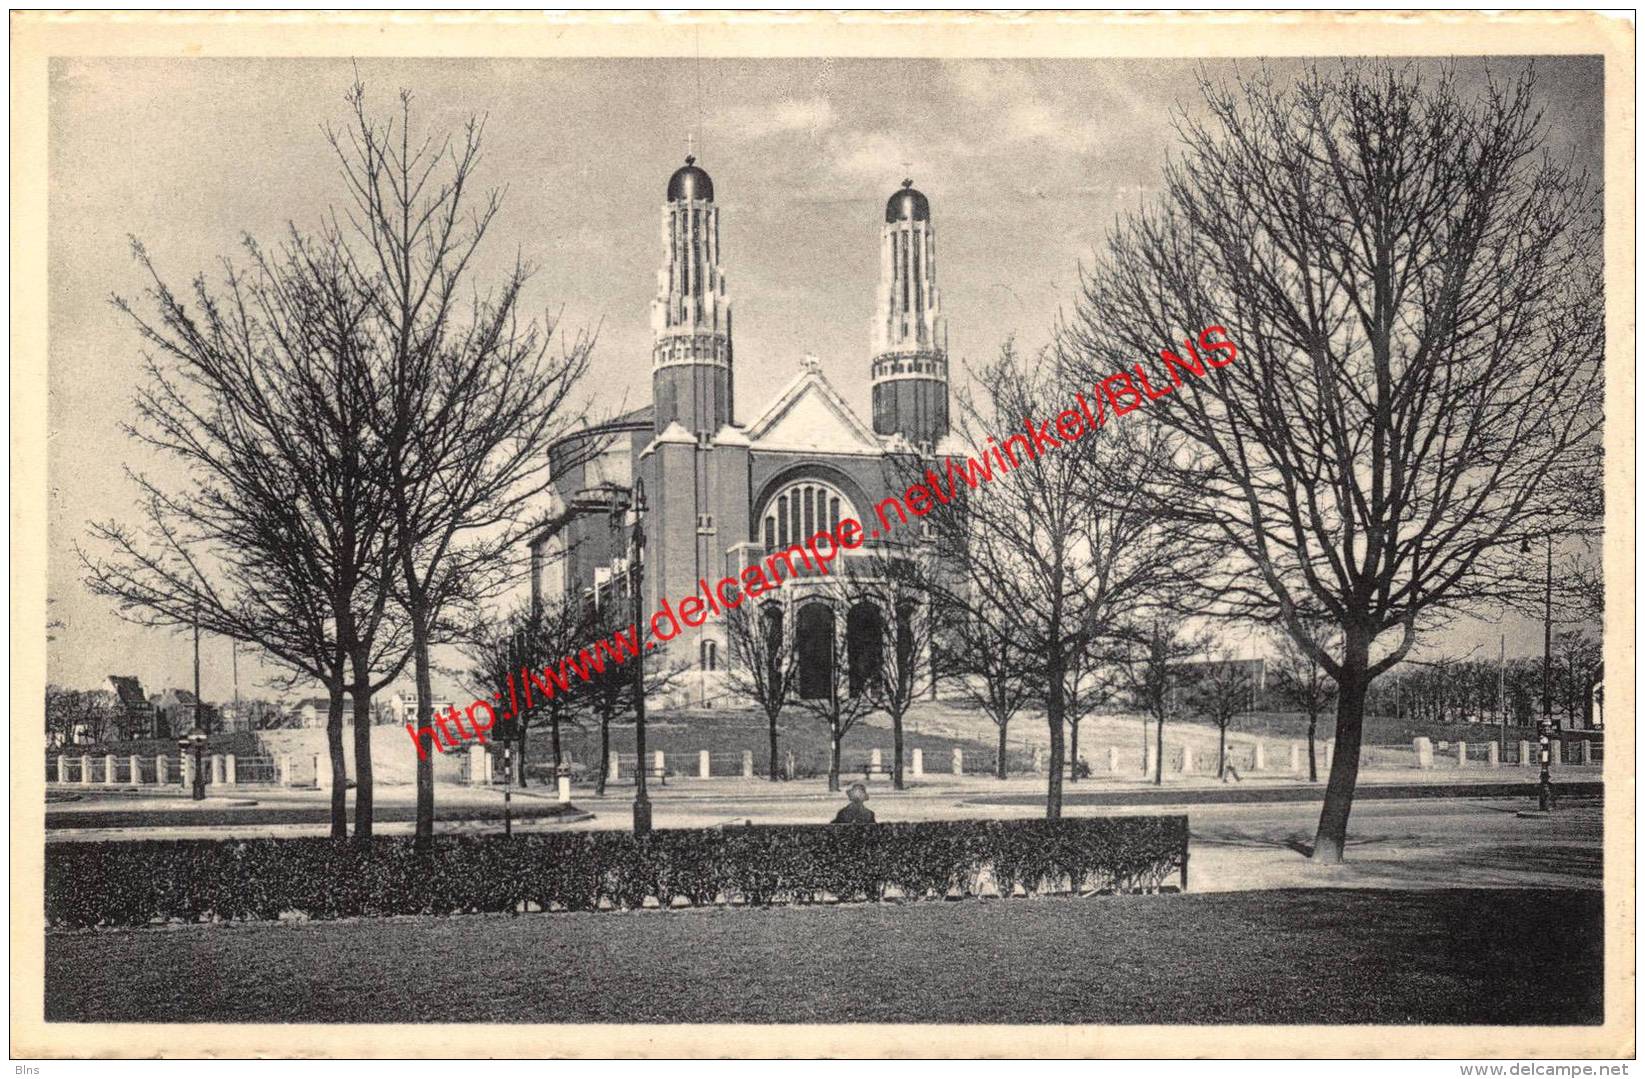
<point x="854" y="812"/>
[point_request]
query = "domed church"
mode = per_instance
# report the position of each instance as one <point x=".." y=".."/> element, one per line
<point x="723" y="489"/>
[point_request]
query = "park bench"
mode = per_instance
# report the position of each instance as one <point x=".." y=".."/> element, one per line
<point x="870" y="770"/>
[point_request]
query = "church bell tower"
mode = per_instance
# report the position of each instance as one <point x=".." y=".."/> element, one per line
<point x="910" y="335"/>
<point x="691" y="317"/>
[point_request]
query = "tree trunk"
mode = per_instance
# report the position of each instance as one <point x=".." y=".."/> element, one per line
<point x="1054" y="720"/>
<point x="1313" y="766"/>
<point x="1332" y="835"/>
<point x="605" y="749"/>
<point x="771" y="737"/>
<point x="425" y="718"/>
<point x="1000" y="764"/>
<point x="1222" y="751"/>
<point x="896" y="752"/>
<point x="362" y="746"/>
<point x="339" y="767"/>
<point x="1074" y="752"/>
<point x="834" y="756"/>
<point x="554" y="739"/>
<point x="1159" y="749"/>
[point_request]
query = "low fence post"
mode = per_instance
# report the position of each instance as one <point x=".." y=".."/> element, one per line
<point x="748" y="764"/>
<point x="162" y="769"/>
<point x="1296" y="757"/>
<point x="702" y="764"/>
<point x="959" y="761"/>
<point x="187" y="762"/>
<point x="1524" y="754"/>
<point x="1038" y="763"/>
<point x="658" y="757"/>
<point x="1187" y="758"/>
<point x="85" y="770"/>
<point x="1424" y="748"/>
<point x="613" y="769"/>
<point x="136" y="771"/>
<point x="1587" y="752"/>
<point x="1150" y="760"/>
<point x="231" y="774"/>
<point x="219" y="770"/>
<point x="1491" y="760"/>
<point x="1462" y="754"/>
<point x="1257" y="762"/>
<point x="919" y="761"/>
<point x="62" y="769"/>
<point x="110" y="775"/>
<point x="874" y="760"/>
<point x="1113" y="759"/>
<point x="1330" y="751"/>
<point x="479" y="766"/>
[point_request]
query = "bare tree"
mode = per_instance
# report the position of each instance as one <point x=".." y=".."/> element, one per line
<point x="1302" y="682"/>
<point x="1401" y="304"/>
<point x="73" y="714"/>
<point x="830" y="695"/>
<point x="1147" y="668"/>
<point x="468" y="397"/>
<point x="1220" y="689"/>
<point x="763" y="666"/>
<point x="281" y="538"/>
<point x="985" y="662"/>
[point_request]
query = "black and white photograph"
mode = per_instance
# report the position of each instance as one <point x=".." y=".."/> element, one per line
<point x="981" y="525"/>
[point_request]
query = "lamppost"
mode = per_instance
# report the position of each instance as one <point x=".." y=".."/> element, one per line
<point x="195" y="740"/>
<point x="621" y="503"/>
<point x="1545" y="729"/>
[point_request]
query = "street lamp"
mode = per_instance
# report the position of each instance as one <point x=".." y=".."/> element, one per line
<point x="1545" y="729"/>
<point x="621" y="503"/>
<point x="195" y="740"/>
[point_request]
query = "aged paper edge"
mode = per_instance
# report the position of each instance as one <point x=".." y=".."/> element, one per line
<point x="36" y="37"/>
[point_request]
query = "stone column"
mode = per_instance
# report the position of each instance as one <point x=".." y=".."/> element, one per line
<point x="1587" y="752"/>
<point x="613" y="769"/>
<point x="109" y="773"/>
<point x="748" y="764"/>
<point x="874" y="760"/>
<point x="231" y="774"/>
<point x="1524" y="754"/>
<point x="162" y="768"/>
<point x="919" y="762"/>
<point x="1462" y="754"/>
<point x="85" y="770"/>
<point x="1113" y="759"/>
<point x="1297" y="749"/>
<point x="703" y="771"/>
<point x="188" y="771"/>
<point x="658" y="757"/>
<point x="1424" y="749"/>
<point x="1187" y="759"/>
<point x="219" y="770"/>
<point x="1150" y="758"/>
<point x="62" y="769"/>
<point x="1491" y="756"/>
<point x="1258" y="764"/>
<point x="136" y="771"/>
<point x="479" y="766"/>
<point x="562" y="781"/>
<point x="959" y="761"/>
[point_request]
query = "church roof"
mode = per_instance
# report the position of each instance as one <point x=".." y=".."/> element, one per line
<point x="907" y="204"/>
<point x="811" y="416"/>
<point x="690" y="182"/>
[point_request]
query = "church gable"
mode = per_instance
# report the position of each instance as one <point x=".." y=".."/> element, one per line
<point x="811" y="415"/>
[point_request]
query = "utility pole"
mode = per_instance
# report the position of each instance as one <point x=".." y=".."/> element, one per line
<point x="1501" y="691"/>
<point x="199" y="705"/>
<point x="234" y="653"/>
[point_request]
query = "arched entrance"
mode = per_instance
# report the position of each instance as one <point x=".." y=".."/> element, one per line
<point x="864" y="636"/>
<point x="814" y="644"/>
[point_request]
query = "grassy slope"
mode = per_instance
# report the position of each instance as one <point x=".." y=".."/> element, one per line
<point x="1253" y="957"/>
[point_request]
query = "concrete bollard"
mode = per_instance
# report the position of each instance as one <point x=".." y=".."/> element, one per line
<point x="219" y="769"/>
<point x="1462" y="754"/>
<point x="109" y="773"/>
<point x="1113" y="759"/>
<point x="1150" y="759"/>
<point x="62" y="769"/>
<point x="1587" y="752"/>
<point x="1424" y="749"/>
<point x="919" y="762"/>
<point x="874" y="760"/>
<point x="162" y="769"/>
<point x="702" y="764"/>
<point x="613" y="769"/>
<point x="1491" y="760"/>
<point x="1257" y="762"/>
<point x="231" y="773"/>
<point x="563" y="783"/>
<point x="1187" y="759"/>
<point x="748" y="764"/>
<point x="1524" y="754"/>
<point x="85" y="770"/>
<point x="136" y="770"/>
<point x="479" y="766"/>
<point x="1296" y="757"/>
<point x="959" y="761"/>
<point x="658" y="757"/>
<point x="187" y="760"/>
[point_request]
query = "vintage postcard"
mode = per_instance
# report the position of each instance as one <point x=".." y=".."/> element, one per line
<point x="822" y="535"/>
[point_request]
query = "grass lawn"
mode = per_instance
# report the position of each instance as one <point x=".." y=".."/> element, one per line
<point x="1303" y="956"/>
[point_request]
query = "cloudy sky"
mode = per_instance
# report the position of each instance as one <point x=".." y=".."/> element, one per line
<point x="1025" y="163"/>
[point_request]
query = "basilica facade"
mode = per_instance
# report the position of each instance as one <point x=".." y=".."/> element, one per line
<point x="722" y="490"/>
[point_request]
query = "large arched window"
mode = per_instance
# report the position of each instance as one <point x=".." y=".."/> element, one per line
<point x="864" y="637"/>
<point x="814" y="641"/>
<point x="801" y="510"/>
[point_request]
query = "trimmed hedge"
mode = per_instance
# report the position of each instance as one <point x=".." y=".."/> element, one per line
<point x="141" y="882"/>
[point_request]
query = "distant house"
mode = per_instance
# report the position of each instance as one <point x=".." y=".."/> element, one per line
<point x="181" y="711"/>
<point x="135" y="715"/>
